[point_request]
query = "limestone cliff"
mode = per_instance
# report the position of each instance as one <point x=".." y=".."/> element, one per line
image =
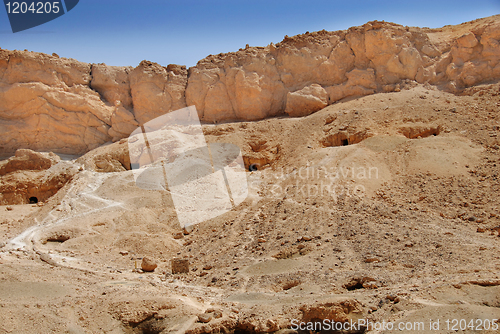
<point x="66" y="106"/>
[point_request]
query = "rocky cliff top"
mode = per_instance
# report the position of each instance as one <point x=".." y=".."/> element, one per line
<point x="59" y="104"/>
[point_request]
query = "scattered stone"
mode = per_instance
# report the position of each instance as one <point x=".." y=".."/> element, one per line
<point x="359" y="282"/>
<point x="330" y="119"/>
<point x="486" y="282"/>
<point x="207" y="267"/>
<point x="178" y="235"/>
<point x="9" y="208"/>
<point x="261" y="240"/>
<point x="370" y="285"/>
<point x="371" y="259"/>
<point x="480" y="230"/>
<point x="188" y="229"/>
<point x="148" y="264"/>
<point x="123" y="253"/>
<point x="392" y="297"/>
<point x="180" y="266"/>
<point x="205" y="318"/>
<point x="472" y="218"/>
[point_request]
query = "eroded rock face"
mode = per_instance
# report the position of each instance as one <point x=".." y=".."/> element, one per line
<point x="58" y="104"/>
<point x="238" y="86"/>
<point x="25" y="159"/>
<point x="157" y="90"/>
<point x="306" y="101"/>
<point x="32" y="177"/>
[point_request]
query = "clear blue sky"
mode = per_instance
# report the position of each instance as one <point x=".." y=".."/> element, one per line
<point x="124" y="32"/>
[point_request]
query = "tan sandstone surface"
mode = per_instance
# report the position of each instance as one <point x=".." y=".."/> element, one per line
<point x="406" y="230"/>
<point x="59" y="104"/>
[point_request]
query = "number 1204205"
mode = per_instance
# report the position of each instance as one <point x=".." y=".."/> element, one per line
<point x="35" y="8"/>
<point x="474" y="324"/>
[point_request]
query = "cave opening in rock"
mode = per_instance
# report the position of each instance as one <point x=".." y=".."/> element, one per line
<point x="253" y="167"/>
<point x="344" y="138"/>
<point x="33" y="200"/>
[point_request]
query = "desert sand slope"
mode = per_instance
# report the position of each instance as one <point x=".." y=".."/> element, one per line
<point x="56" y="104"/>
<point x="407" y="230"/>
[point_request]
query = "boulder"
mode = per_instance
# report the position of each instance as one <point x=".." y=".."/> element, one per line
<point x="148" y="264"/>
<point x="180" y="266"/>
<point x="306" y="101"/>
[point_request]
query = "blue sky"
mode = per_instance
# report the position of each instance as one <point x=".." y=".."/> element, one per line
<point x="124" y="32"/>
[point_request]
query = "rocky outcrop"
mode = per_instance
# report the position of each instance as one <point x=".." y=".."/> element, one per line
<point x="107" y="158"/>
<point x="306" y="101"/>
<point x="58" y="104"/>
<point x="32" y="177"/>
<point x="28" y="160"/>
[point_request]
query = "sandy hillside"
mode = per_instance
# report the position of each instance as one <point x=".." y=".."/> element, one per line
<point x="382" y="207"/>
